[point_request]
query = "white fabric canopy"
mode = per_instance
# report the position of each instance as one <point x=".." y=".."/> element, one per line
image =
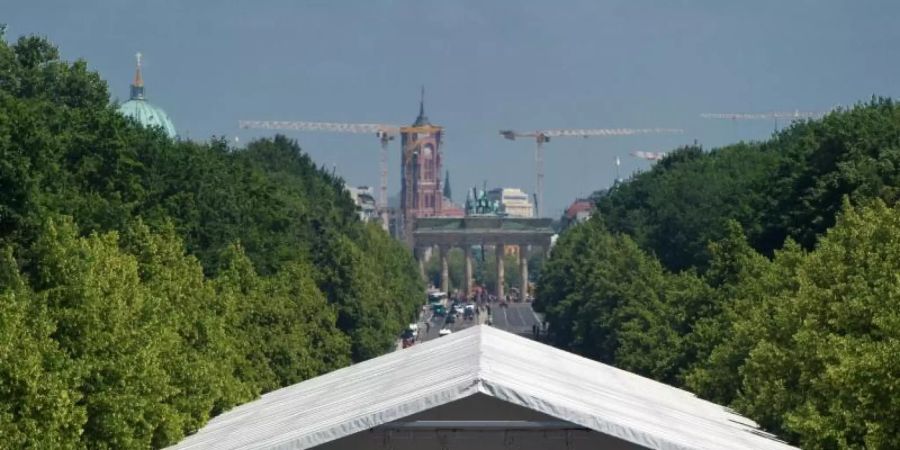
<point x="483" y="360"/>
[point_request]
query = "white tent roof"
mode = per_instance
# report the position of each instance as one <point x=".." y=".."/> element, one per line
<point x="482" y="360"/>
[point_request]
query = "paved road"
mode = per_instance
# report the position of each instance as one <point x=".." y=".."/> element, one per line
<point x="428" y="332"/>
<point x="516" y="318"/>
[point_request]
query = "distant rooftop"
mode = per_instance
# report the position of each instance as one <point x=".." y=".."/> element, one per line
<point x="580" y="205"/>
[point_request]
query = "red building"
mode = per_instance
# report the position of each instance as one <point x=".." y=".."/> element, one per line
<point x="579" y="211"/>
<point x="421" y="191"/>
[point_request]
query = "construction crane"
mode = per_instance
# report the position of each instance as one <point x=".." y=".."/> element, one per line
<point x="776" y="116"/>
<point x="385" y="133"/>
<point x="543" y="136"/>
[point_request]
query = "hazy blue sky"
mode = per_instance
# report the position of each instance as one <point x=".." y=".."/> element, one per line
<point x="486" y="65"/>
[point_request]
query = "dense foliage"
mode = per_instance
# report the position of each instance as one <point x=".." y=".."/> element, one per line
<point x="762" y="276"/>
<point x="788" y="186"/>
<point x="147" y="284"/>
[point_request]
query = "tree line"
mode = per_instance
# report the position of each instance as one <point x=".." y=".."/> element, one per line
<point x="760" y="275"/>
<point x="147" y="284"/>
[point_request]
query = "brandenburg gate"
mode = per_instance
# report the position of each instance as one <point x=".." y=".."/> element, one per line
<point x="446" y="233"/>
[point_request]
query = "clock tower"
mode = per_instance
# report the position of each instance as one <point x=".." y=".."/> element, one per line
<point x="422" y="191"/>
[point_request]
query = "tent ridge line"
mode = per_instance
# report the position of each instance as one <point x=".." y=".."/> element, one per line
<point x="605" y="425"/>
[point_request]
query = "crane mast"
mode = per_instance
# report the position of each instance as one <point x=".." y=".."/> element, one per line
<point x="541" y="137"/>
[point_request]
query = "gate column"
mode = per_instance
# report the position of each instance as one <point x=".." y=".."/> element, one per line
<point x="500" y="274"/>
<point x="445" y="270"/>
<point x="523" y="268"/>
<point x="420" y="258"/>
<point x="467" y="250"/>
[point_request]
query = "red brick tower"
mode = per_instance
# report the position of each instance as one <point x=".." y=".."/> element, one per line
<point x="421" y="194"/>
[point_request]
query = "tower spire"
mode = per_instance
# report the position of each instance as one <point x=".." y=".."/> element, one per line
<point x="422" y="102"/>
<point x="138" y="79"/>
<point x="422" y="119"/>
<point x="137" y="87"/>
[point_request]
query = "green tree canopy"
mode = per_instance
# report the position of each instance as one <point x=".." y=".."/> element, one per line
<point x="734" y="273"/>
<point x="825" y="369"/>
<point x="149" y="284"/>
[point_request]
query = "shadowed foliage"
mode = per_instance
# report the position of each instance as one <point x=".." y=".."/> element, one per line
<point x="147" y="284"/>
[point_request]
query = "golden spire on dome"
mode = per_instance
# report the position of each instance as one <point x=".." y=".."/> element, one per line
<point x="137" y="87"/>
<point x="138" y="79"/>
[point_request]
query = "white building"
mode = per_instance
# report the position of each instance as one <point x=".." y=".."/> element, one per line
<point x="514" y="202"/>
<point x="486" y="389"/>
<point x="364" y="197"/>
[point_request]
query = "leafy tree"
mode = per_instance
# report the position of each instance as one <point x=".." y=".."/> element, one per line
<point x="114" y="332"/>
<point x="239" y="290"/>
<point x="200" y="364"/>
<point x="848" y="153"/>
<point x="149" y="271"/>
<point x="607" y="299"/>
<point x="676" y="209"/>
<point x="788" y="186"/>
<point x="760" y="310"/>
<point x="748" y="292"/>
<point x="824" y="372"/>
<point x="39" y="400"/>
<point x="599" y="291"/>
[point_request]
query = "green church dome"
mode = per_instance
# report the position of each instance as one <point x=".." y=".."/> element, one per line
<point x="143" y="111"/>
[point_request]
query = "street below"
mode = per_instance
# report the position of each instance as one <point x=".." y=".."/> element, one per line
<point x="518" y="318"/>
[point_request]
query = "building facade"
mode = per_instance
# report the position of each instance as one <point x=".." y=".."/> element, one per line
<point x="579" y="211"/>
<point x="514" y="202"/>
<point x="421" y="193"/>
<point x="364" y="198"/>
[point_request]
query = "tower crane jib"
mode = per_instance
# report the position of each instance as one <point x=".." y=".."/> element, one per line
<point x="543" y="136"/>
<point x="776" y="116"/>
